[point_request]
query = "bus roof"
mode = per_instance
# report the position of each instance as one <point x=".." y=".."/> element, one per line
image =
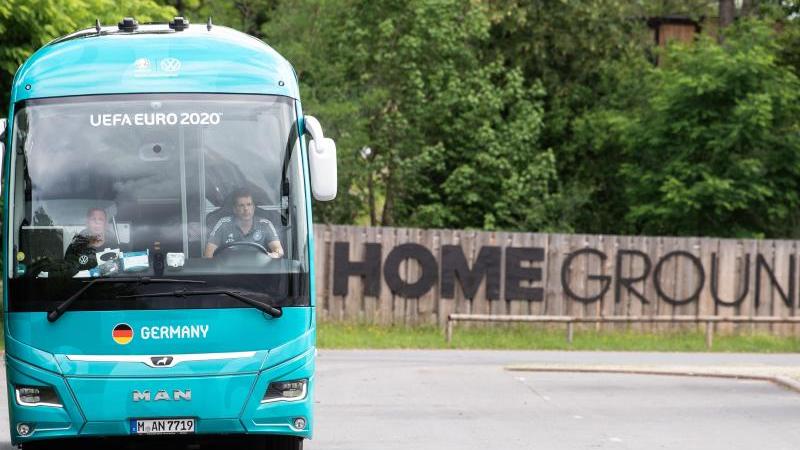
<point x="153" y="59"/>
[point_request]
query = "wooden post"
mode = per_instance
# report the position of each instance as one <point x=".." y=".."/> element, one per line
<point x="570" y="332"/>
<point x="709" y="334"/>
<point x="449" y="333"/>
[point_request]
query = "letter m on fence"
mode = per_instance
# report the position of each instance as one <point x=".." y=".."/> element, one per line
<point x="454" y="265"/>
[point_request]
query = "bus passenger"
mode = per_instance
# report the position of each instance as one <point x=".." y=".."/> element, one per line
<point x="89" y="241"/>
<point x="244" y="226"/>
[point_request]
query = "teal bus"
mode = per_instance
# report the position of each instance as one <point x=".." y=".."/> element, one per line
<point x="158" y="245"/>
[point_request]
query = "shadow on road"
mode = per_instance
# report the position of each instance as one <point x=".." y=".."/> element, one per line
<point x="193" y="442"/>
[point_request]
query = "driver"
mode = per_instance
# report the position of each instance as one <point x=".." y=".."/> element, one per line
<point x="244" y="226"/>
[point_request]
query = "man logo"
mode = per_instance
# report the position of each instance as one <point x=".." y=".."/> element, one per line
<point x="162" y="394"/>
<point x="122" y="334"/>
<point x="161" y="361"/>
<point x="170" y="65"/>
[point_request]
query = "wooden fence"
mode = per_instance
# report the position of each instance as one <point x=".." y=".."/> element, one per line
<point x="414" y="276"/>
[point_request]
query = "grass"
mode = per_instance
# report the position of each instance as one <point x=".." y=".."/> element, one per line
<point x="537" y="337"/>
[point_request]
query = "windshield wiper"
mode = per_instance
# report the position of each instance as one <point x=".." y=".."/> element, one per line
<point x="269" y="309"/>
<point x="59" y="310"/>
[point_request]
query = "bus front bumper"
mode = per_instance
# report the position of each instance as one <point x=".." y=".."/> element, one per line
<point x="103" y="407"/>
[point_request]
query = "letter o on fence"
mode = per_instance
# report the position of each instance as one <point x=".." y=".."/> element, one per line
<point x="391" y="270"/>
<point x="657" y="278"/>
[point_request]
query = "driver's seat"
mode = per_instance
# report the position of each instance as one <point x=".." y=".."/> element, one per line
<point x="214" y="216"/>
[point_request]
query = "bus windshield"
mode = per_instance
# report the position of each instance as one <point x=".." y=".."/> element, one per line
<point x="199" y="187"/>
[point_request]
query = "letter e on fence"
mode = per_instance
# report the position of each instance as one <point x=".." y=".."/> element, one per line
<point x="516" y="274"/>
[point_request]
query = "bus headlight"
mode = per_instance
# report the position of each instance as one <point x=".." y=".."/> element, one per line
<point x="286" y="391"/>
<point x="37" y="396"/>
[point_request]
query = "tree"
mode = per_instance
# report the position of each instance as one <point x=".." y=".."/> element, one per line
<point x="183" y="7"/>
<point x="453" y="129"/>
<point x="727" y="12"/>
<point x="789" y="42"/>
<point x="309" y="34"/>
<point x="568" y="47"/>
<point x="26" y="25"/>
<point x="748" y="7"/>
<point x="715" y="148"/>
<point x="248" y="16"/>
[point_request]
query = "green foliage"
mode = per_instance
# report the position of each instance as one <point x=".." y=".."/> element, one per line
<point x="596" y="150"/>
<point x="715" y="148"/>
<point x="308" y="33"/>
<point x="564" y="44"/>
<point x="567" y="47"/>
<point x="524" y="114"/>
<point x="453" y="130"/>
<point x="789" y="43"/>
<point x="244" y="15"/>
<point x="519" y="114"/>
<point x="26" y="25"/>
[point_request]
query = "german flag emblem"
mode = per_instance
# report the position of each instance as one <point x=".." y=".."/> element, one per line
<point x="122" y="334"/>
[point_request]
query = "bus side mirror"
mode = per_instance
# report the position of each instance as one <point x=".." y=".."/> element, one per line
<point x="321" y="161"/>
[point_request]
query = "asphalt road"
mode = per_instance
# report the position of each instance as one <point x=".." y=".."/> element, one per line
<point x="466" y="400"/>
<point x="443" y="400"/>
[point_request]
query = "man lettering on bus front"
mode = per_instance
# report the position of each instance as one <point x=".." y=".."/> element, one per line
<point x="244" y="226"/>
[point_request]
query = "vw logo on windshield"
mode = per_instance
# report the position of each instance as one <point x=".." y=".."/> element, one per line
<point x="170" y="65"/>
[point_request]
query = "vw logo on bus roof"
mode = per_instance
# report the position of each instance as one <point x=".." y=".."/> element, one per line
<point x="170" y="65"/>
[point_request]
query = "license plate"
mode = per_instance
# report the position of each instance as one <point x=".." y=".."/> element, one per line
<point x="175" y="425"/>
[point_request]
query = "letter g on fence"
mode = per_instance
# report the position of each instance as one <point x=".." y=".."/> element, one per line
<point x="605" y="280"/>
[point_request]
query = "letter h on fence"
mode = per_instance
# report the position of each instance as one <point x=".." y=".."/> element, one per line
<point x="369" y="269"/>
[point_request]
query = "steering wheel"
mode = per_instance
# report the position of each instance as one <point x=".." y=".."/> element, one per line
<point x="229" y="245"/>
